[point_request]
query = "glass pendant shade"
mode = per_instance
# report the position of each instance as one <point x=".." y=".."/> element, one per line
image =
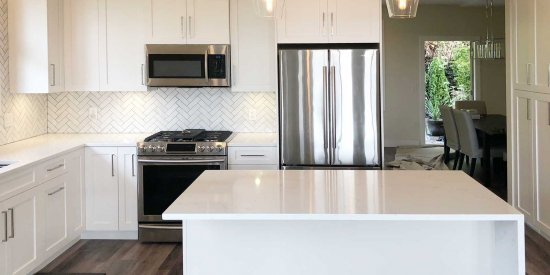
<point x="402" y="8"/>
<point x="265" y="8"/>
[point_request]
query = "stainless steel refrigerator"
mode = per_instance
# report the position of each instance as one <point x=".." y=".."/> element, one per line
<point x="329" y="108"/>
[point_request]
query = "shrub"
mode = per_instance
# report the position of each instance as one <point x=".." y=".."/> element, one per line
<point x="437" y="88"/>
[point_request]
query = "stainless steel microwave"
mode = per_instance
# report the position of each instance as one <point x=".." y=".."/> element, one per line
<point x="188" y="65"/>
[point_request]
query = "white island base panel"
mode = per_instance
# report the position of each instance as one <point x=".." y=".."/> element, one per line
<point x="346" y="222"/>
<point x="352" y="247"/>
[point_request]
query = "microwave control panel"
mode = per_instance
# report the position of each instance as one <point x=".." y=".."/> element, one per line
<point x="217" y="66"/>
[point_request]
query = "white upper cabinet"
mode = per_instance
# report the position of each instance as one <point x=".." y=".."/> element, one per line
<point x="542" y="10"/>
<point x="353" y="21"/>
<point x="82" y="45"/>
<point x="208" y="22"/>
<point x="253" y="45"/>
<point x="122" y="31"/>
<point x="36" y="45"/>
<point x="166" y="21"/>
<point x="329" y="21"/>
<point x="187" y="22"/>
<point x="302" y="21"/>
<point x="524" y="40"/>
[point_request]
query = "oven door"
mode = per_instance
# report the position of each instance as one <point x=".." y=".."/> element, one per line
<point x="162" y="180"/>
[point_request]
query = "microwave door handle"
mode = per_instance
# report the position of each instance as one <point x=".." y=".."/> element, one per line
<point x="181" y="161"/>
<point x="206" y="67"/>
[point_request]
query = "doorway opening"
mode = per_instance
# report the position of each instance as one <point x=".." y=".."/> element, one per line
<point x="448" y="77"/>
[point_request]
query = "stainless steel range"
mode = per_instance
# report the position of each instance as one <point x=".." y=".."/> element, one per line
<point x="168" y="163"/>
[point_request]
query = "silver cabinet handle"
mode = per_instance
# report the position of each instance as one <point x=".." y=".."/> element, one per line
<point x="332" y="23"/>
<point x="548" y="113"/>
<point x="325" y="105"/>
<point x="133" y="165"/>
<point x="12" y="235"/>
<point x="142" y="74"/>
<point x="529" y="67"/>
<point x="55" y="168"/>
<point x="53" y="75"/>
<point x="113" y="165"/>
<point x="5" y="239"/>
<point x="191" y="33"/>
<point x="324" y="22"/>
<point x="548" y="75"/>
<point x="252" y="156"/>
<point x="56" y="191"/>
<point x="528" y="109"/>
<point x="182" y="29"/>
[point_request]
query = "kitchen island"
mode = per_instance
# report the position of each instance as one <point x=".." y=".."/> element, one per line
<point x="346" y="222"/>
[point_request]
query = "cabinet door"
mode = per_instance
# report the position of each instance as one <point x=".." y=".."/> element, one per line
<point x="302" y="21"/>
<point x="127" y="189"/>
<point x="53" y="196"/>
<point x="543" y="162"/>
<point x="525" y="44"/>
<point x="75" y="194"/>
<point x="166" y="21"/>
<point x="525" y="180"/>
<point x="208" y="22"/>
<point x="354" y="21"/>
<point x="3" y="240"/>
<point x="122" y="62"/>
<point x="56" y="70"/>
<point x="543" y="44"/>
<point x="22" y="246"/>
<point x="101" y="189"/>
<point x="82" y="45"/>
<point x="253" y="45"/>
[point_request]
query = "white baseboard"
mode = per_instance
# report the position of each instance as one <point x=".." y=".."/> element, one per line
<point x="109" y="235"/>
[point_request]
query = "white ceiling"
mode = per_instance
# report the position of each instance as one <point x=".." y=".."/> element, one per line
<point x="459" y="2"/>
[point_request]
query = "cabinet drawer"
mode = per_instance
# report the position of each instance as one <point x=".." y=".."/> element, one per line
<point x="17" y="183"/>
<point x="252" y="155"/>
<point x="51" y="169"/>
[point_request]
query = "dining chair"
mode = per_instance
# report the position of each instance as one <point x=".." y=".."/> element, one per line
<point x="478" y="105"/>
<point x="469" y="144"/>
<point x="451" y="134"/>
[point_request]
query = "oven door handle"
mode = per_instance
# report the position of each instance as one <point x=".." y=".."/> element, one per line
<point x="180" y="161"/>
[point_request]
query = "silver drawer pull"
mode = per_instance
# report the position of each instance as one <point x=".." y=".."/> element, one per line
<point x="12" y="235"/>
<point x="5" y="239"/>
<point x="55" y="168"/>
<point x="252" y="155"/>
<point x="56" y="191"/>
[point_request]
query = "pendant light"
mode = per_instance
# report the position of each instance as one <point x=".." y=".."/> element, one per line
<point x="265" y="8"/>
<point x="491" y="48"/>
<point x="402" y="8"/>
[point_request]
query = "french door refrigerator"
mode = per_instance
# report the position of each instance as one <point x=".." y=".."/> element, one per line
<point x="329" y="103"/>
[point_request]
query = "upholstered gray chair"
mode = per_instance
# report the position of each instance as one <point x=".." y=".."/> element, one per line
<point x="480" y="106"/>
<point x="451" y="133"/>
<point x="469" y="144"/>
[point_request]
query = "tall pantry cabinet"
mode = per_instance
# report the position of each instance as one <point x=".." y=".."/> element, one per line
<point x="529" y="110"/>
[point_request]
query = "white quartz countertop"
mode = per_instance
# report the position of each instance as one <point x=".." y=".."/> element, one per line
<point x="30" y="151"/>
<point x="338" y="195"/>
<point x="254" y="140"/>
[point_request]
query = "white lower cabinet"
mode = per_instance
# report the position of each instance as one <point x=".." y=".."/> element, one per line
<point x="543" y="162"/>
<point x="53" y="197"/>
<point x="525" y="160"/>
<point x="111" y="189"/>
<point x="20" y="232"/>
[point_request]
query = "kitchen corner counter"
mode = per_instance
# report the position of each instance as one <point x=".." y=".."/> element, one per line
<point x="254" y="140"/>
<point x="30" y="151"/>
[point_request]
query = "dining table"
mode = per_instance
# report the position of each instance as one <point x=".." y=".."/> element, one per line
<point x="491" y="129"/>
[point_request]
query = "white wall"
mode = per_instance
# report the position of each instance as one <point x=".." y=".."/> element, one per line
<point x="404" y="107"/>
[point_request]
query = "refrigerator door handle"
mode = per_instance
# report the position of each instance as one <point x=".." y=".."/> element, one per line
<point x="326" y="107"/>
<point x="333" y="113"/>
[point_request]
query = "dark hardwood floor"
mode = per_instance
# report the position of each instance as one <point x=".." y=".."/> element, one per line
<point x="133" y="257"/>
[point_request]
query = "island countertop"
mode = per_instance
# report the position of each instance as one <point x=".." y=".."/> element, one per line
<point x="338" y="195"/>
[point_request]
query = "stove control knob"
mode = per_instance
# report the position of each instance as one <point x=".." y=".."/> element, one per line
<point x="150" y="148"/>
<point x="201" y="148"/>
<point x="211" y="149"/>
<point x="219" y="148"/>
<point x="158" y="148"/>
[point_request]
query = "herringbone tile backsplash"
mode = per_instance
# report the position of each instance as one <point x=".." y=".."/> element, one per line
<point x="162" y="109"/>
